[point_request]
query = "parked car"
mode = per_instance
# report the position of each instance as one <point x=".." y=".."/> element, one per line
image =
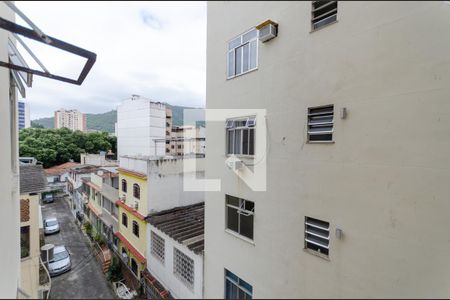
<point x="51" y="226"/>
<point x="48" y="198"/>
<point x="61" y="262"/>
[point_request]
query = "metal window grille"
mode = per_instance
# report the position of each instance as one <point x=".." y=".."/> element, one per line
<point x="320" y="124"/>
<point x="135" y="228"/>
<point x="136" y="191"/>
<point x="183" y="267"/>
<point x="158" y="247"/>
<point x="323" y="13"/>
<point x="317" y="235"/>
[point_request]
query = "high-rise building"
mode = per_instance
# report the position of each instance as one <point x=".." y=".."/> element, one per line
<point x="355" y="140"/>
<point x="23" y="115"/>
<point x="141" y="127"/>
<point x="72" y="119"/>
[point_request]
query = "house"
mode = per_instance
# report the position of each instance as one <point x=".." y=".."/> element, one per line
<point x="57" y="176"/>
<point x="346" y="104"/>
<point x="75" y="186"/>
<point x="175" y="252"/>
<point x="148" y="185"/>
<point x="34" y="277"/>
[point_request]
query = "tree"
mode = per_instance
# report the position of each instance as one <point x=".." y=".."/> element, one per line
<point x="57" y="146"/>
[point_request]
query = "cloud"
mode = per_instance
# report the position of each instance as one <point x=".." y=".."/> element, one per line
<point x="154" y="49"/>
<point x="150" y="20"/>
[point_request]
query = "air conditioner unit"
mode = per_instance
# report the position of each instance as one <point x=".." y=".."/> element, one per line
<point x="122" y="198"/>
<point x="267" y="30"/>
<point x="234" y="164"/>
<point x="136" y="205"/>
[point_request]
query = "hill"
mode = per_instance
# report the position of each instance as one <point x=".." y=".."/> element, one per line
<point x="105" y="121"/>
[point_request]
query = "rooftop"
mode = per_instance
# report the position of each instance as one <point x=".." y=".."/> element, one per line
<point x="185" y="224"/>
<point x="60" y="169"/>
<point x="32" y="179"/>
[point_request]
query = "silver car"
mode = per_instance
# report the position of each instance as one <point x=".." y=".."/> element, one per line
<point x="61" y="262"/>
<point x="51" y="226"/>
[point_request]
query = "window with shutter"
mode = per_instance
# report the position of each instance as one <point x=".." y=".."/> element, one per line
<point x="317" y="235"/>
<point x="323" y="13"/>
<point x="320" y="124"/>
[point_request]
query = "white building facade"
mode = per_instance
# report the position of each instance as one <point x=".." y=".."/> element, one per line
<point x="141" y="127"/>
<point x="357" y="134"/>
<point x="9" y="174"/>
<point x="72" y="119"/>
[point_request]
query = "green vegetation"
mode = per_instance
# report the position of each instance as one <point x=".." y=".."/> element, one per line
<point x="56" y="146"/>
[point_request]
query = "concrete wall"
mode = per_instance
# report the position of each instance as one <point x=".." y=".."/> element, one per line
<point x="164" y="272"/>
<point x="384" y="180"/>
<point x="9" y="214"/>
<point x="30" y="265"/>
<point x="139" y="123"/>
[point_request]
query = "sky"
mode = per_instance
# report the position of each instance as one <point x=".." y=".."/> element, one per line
<point x="153" y="49"/>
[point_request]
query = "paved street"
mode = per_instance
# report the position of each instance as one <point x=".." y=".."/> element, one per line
<point x="86" y="279"/>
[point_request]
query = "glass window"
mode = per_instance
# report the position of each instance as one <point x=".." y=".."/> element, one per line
<point x="242" y="54"/>
<point x="240" y="216"/>
<point x="135" y="228"/>
<point x="241" y="137"/>
<point x="124" y="220"/>
<point x="124" y="185"/>
<point x="136" y="191"/>
<point x="236" y="288"/>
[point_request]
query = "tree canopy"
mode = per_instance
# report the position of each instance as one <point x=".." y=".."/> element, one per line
<point x="56" y="146"/>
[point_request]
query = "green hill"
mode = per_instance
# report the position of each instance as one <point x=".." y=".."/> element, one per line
<point x="105" y="121"/>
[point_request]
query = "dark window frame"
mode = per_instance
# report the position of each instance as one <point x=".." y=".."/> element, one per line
<point x="241" y="214"/>
<point x="136" y="191"/>
<point x="124" y="185"/>
<point x="135" y="228"/>
<point x="125" y="220"/>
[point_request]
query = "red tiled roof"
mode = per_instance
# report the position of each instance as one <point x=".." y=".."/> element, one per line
<point x="141" y="175"/>
<point x="93" y="209"/>
<point x="130" y="210"/>
<point x="60" y="169"/>
<point x="130" y="247"/>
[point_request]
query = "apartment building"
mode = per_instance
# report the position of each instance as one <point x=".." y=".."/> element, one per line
<point x="101" y="191"/>
<point x="141" y="127"/>
<point x="72" y="119"/>
<point x="35" y="279"/>
<point x="187" y="140"/>
<point x="9" y="173"/>
<point x="149" y="185"/>
<point x="356" y="148"/>
<point x="23" y="115"/>
<point x="169" y="125"/>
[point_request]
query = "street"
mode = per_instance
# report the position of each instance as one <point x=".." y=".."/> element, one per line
<point x="85" y="279"/>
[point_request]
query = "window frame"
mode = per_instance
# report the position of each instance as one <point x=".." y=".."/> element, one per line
<point x="135" y="228"/>
<point x="325" y="25"/>
<point x="308" y="140"/>
<point x="136" y="191"/>
<point x="124" y="184"/>
<point x="307" y="223"/>
<point x="241" y="130"/>
<point x="126" y="220"/>
<point x="178" y="274"/>
<point x="153" y="250"/>
<point x="240" y="211"/>
<point x="237" y="284"/>
<point x="241" y="45"/>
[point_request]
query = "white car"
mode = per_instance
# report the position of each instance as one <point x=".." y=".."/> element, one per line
<point x="51" y="226"/>
<point x="61" y="262"/>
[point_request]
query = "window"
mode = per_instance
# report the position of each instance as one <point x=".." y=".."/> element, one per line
<point x="241" y="136"/>
<point x="124" y="220"/>
<point x="242" y="54"/>
<point x="135" y="228"/>
<point x="157" y="247"/>
<point x="320" y="124"/>
<point x="323" y="13"/>
<point x="317" y="235"/>
<point x="24" y="241"/>
<point x="136" y="191"/>
<point x="134" y="267"/>
<point x="124" y="185"/>
<point x="236" y="288"/>
<point x="239" y="216"/>
<point x="183" y="267"/>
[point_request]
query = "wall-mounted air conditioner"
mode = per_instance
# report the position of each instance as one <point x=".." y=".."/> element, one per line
<point x="267" y="30"/>
<point x="136" y="205"/>
<point x="234" y="164"/>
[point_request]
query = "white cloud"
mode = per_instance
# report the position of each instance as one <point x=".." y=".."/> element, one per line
<point x="155" y="49"/>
